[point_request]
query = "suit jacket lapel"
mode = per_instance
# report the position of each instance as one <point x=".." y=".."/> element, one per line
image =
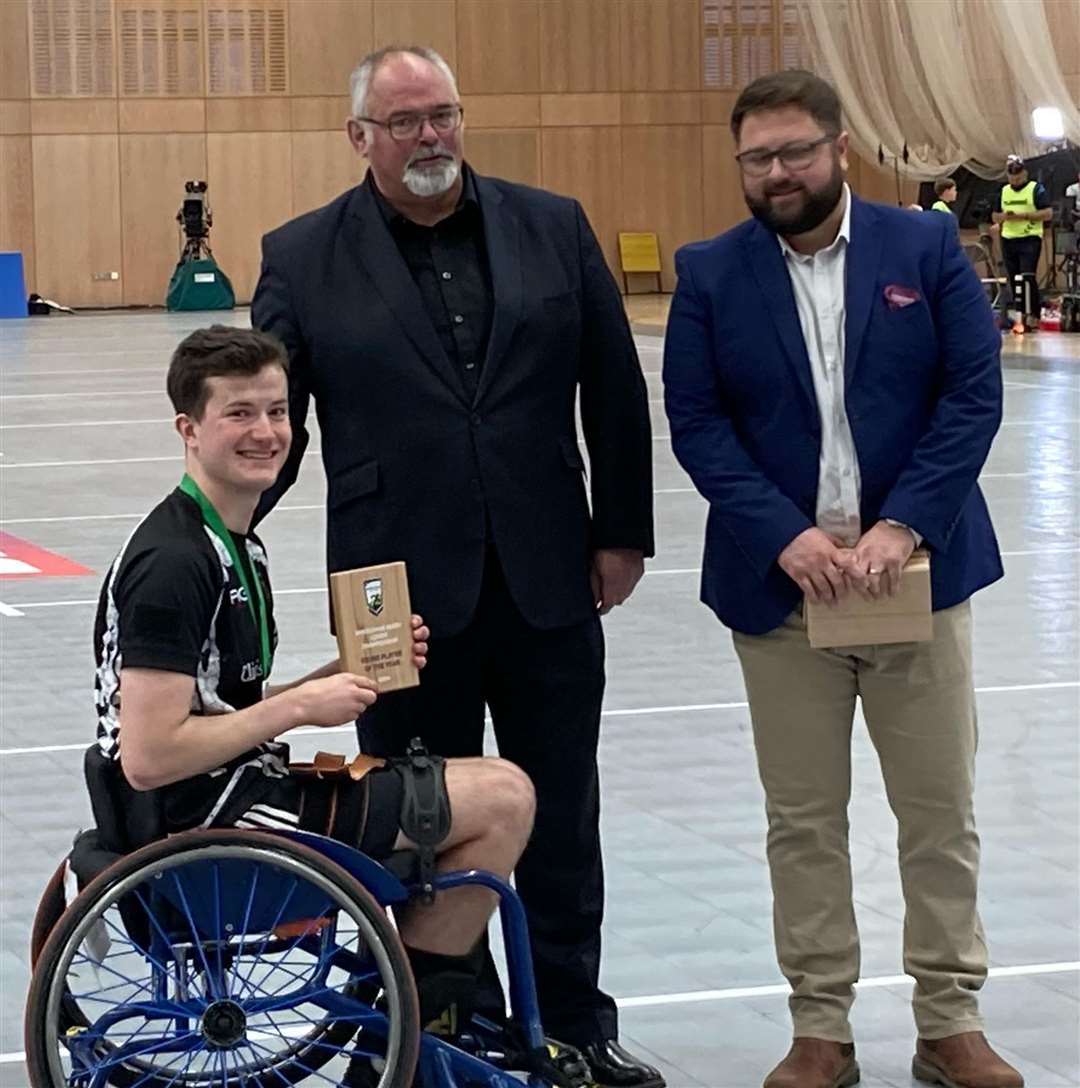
<point x="767" y="265"/>
<point x="863" y="258"/>
<point x="502" y="237"/>
<point x="387" y="270"/>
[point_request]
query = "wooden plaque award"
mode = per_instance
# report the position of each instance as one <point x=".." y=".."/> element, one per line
<point x="854" y="622"/>
<point x="373" y="619"/>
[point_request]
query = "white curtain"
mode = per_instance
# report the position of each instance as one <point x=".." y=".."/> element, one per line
<point x="952" y="80"/>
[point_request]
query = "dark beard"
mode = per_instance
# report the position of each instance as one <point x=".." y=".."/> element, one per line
<point x="817" y="206"/>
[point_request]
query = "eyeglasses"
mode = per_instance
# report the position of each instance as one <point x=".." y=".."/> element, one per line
<point x="407" y="126"/>
<point x="798" y="156"/>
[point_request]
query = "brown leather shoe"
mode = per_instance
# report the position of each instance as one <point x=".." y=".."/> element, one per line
<point x="966" y="1060"/>
<point x="816" y="1063"/>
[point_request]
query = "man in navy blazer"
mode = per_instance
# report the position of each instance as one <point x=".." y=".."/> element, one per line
<point x="444" y="323"/>
<point x="833" y="384"/>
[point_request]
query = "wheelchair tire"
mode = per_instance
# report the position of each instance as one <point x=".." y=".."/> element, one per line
<point x="52" y="1011"/>
<point x="49" y="911"/>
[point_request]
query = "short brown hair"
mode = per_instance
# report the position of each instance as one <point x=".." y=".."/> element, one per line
<point x="217" y="352"/>
<point x="794" y="88"/>
<point x="943" y="185"/>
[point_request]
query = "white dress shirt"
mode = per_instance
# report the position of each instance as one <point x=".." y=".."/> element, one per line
<point x="818" y="281"/>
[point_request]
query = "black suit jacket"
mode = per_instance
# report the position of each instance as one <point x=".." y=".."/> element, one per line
<point x="411" y="460"/>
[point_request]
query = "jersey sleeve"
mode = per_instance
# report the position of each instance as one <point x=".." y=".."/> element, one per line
<point x="166" y="599"/>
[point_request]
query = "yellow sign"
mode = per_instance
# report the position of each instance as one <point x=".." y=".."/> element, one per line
<point x="639" y="252"/>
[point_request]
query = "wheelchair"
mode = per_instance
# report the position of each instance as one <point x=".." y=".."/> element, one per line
<point x="251" y="959"/>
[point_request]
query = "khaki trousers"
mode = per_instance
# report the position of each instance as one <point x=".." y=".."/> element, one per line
<point x="919" y="706"/>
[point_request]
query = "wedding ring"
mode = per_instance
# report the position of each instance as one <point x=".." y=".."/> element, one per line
<point x="875" y="570"/>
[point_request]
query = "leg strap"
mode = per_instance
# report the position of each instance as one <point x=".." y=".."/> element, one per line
<point x="425" y="806"/>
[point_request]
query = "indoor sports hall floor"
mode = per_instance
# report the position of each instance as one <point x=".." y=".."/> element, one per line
<point x="87" y="448"/>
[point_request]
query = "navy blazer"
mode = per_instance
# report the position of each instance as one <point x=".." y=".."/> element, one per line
<point x="417" y="467"/>
<point x="923" y="395"/>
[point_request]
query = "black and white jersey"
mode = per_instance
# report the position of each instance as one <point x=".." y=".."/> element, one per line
<point x="172" y="600"/>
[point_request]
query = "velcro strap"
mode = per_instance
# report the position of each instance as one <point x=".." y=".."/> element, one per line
<point x="425" y="807"/>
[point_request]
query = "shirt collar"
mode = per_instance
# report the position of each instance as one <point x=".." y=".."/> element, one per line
<point x="393" y="216"/>
<point x="843" y="233"/>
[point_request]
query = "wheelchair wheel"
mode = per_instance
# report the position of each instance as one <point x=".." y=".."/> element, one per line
<point x="223" y="959"/>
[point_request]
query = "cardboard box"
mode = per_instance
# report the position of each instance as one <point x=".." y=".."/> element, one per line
<point x="907" y="617"/>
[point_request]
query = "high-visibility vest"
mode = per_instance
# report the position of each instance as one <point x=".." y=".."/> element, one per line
<point x="1019" y="200"/>
<point x="940" y="206"/>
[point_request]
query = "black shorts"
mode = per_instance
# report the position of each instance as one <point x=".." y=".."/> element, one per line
<point x="365" y="814"/>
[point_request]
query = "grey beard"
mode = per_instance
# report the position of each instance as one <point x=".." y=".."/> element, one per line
<point x="433" y="181"/>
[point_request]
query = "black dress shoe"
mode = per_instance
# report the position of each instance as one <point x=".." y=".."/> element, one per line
<point x="614" y="1067"/>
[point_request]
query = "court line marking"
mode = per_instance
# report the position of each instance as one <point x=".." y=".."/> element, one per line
<point x="11" y="465"/>
<point x="306" y="590"/>
<point x="8" y="610"/>
<point x="695" y="997"/>
<point x="89" y="373"/>
<point x="83" y="423"/>
<point x="629" y="712"/>
<point x="783" y="989"/>
<point x="95" y="393"/>
<point x="105" y="461"/>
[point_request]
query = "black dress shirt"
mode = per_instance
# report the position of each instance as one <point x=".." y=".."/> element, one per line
<point x="449" y="264"/>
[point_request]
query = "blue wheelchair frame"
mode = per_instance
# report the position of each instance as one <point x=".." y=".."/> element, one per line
<point x="439" y="1060"/>
<point x="441" y="1064"/>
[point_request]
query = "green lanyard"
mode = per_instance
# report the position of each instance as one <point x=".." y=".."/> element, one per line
<point x="212" y="520"/>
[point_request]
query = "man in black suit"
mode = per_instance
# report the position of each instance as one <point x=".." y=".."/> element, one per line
<point x="443" y="322"/>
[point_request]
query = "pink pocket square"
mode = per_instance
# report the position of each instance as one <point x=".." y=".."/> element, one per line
<point x="898" y="297"/>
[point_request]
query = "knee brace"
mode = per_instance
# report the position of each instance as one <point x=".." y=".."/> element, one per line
<point x="425" y="806"/>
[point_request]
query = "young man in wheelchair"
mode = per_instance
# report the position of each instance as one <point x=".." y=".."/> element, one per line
<point x="187" y="731"/>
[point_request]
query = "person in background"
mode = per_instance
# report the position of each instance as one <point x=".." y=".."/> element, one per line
<point x="945" y="191"/>
<point x="1023" y="208"/>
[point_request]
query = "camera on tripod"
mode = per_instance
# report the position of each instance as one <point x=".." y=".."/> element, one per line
<point x="195" y="219"/>
<point x="197" y="283"/>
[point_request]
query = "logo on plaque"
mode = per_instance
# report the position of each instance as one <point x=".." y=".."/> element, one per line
<point x="373" y="595"/>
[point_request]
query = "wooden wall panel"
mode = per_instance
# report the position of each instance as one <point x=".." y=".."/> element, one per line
<point x="153" y="169"/>
<point x="671" y="108"/>
<point x="418" y="22"/>
<point x="872" y="183"/>
<point x="716" y="107"/>
<point x="318" y="114"/>
<point x="587" y="163"/>
<point x="249" y="175"/>
<point x="79" y="116"/>
<point x="327" y="39"/>
<point x="580" y="109"/>
<point x="660" y="45"/>
<point x="162" y="114"/>
<point x="496" y="46"/>
<point x="14" y="117"/>
<point x="324" y="166"/>
<point x="579" y="45"/>
<point x="721" y="184"/>
<point x="77" y="218"/>
<point x="501" y="110"/>
<point x="248" y="115"/>
<point x="17" y="201"/>
<point x="14" y="50"/>
<point x="513" y="154"/>
<point x="661" y="187"/>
